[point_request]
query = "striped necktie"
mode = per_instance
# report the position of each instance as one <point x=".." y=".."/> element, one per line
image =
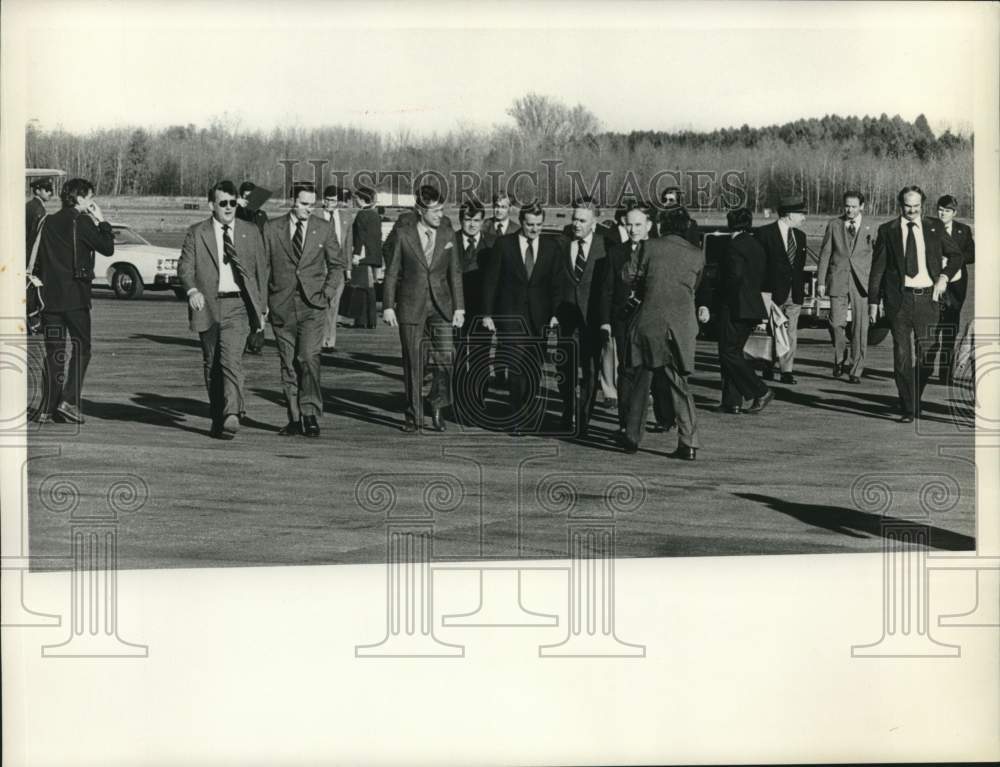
<point x="791" y="249"/>
<point x="297" y="240"/>
<point x="580" y="264"/>
<point x="429" y="246"/>
<point x="229" y="255"/>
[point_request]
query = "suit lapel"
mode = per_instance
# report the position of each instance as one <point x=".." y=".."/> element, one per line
<point x="413" y="235"/>
<point x="515" y="254"/>
<point x="208" y="235"/>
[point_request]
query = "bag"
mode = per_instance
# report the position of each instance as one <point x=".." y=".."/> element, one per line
<point x="777" y="325"/>
<point x="255" y="341"/>
<point x="34" y="303"/>
<point x="759" y="346"/>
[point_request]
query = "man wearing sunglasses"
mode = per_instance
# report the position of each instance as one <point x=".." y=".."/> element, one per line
<point x="223" y="270"/>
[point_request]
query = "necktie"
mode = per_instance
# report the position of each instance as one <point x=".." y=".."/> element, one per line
<point x="297" y="240"/>
<point x="791" y="249"/>
<point x="529" y="258"/>
<point x="580" y="263"/>
<point x="499" y="229"/>
<point x="429" y="246"/>
<point x="229" y="253"/>
<point x="470" y="247"/>
<point x="911" y="251"/>
<point x="852" y="230"/>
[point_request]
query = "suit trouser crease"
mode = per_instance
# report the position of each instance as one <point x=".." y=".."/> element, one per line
<point x="608" y="375"/>
<point x="222" y="347"/>
<point x="431" y="339"/>
<point x="65" y="371"/>
<point x="670" y="389"/>
<point x="913" y="325"/>
<point x="588" y="357"/>
<point x="330" y="317"/>
<point x="858" y="302"/>
<point x="299" y="340"/>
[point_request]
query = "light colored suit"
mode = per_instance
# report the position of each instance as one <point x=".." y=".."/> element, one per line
<point x="844" y="267"/>
<point x="342" y="220"/>
<point x="224" y="323"/>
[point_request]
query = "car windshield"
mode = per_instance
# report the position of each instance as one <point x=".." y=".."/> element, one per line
<point x="125" y="236"/>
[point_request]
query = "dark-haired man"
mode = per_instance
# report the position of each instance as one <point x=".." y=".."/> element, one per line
<point x="223" y="269"/>
<point x="907" y="274"/>
<point x="65" y="265"/>
<point x="335" y="202"/>
<point x="34" y="210"/>
<point x="366" y="236"/>
<point x="424" y="299"/>
<point x="517" y="302"/>
<point x="785" y="245"/>
<point x="845" y="260"/>
<point x="670" y="199"/>
<point x="948" y="335"/>
<point x="499" y="223"/>
<point x="577" y="280"/>
<point x="305" y="267"/>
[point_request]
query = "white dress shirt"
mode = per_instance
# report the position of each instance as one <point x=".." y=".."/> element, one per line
<point x="227" y="281"/>
<point x="500" y="227"/>
<point x="922" y="279"/>
<point x="523" y="242"/>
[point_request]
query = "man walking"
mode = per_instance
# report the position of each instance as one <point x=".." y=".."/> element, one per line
<point x="305" y="267"/>
<point x="335" y="202"/>
<point x="34" y="210"/>
<point x="845" y="261"/>
<point x="223" y="269"/>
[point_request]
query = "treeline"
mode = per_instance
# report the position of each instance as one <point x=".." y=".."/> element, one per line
<point x="817" y="158"/>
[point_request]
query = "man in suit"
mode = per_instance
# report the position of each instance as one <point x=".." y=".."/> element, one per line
<point x="670" y="199"/>
<point x="366" y="259"/>
<point x="910" y="274"/>
<point x="948" y="335"/>
<point x="335" y="210"/>
<point x="305" y="266"/>
<point x="649" y="301"/>
<point x="423" y="284"/>
<point x="499" y="224"/>
<point x="517" y="304"/>
<point x="785" y="246"/>
<point x="223" y="269"/>
<point x="65" y="265"/>
<point x="34" y="210"/>
<point x="577" y="280"/>
<point x="244" y="212"/>
<point x="845" y="261"/>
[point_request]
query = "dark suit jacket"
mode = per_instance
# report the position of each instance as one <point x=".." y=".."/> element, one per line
<point x="416" y="290"/>
<point x="34" y="212"/>
<point x="198" y="267"/>
<point x="315" y="276"/>
<point x="742" y="278"/>
<point x="490" y="227"/>
<point x="65" y="232"/>
<point x="366" y="232"/>
<point x="256" y="217"/>
<point x="473" y="274"/>
<point x="578" y="305"/>
<point x="666" y="324"/>
<point x="516" y="303"/>
<point x="962" y="236"/>
<point x="784" y="278"/>
<point x="889" y="262"/>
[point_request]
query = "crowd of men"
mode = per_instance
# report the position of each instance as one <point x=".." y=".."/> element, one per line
<point x="475" y="307"/>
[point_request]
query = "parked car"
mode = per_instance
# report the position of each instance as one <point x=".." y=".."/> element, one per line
<point x="137" y="266"/>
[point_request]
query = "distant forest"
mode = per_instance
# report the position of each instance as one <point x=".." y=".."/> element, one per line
<point x="817" y="158"/>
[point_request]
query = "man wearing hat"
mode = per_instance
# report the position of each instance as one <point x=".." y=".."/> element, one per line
<point x="947" y="336"/>
<point x="785" y="246"/>
<point x="34" y="211"/>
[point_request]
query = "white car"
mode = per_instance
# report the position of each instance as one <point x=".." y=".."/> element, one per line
<point x="137" y="266"/>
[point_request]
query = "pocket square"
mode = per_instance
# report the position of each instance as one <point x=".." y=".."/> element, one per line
<point x="449" y="245"/>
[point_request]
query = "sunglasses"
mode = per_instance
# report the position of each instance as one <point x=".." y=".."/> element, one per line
<point x="227" y="203"/>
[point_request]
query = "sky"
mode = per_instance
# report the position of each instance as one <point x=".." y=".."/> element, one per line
<point x="428" y="68"/>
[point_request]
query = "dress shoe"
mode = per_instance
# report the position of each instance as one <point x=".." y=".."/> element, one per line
<point x="768" y="374"/>
<point x="67" y="413"/>
<point x="658" y="428"/>
<point x="41" y="416"/>
<point x="437" y="420"/>
<point x="685" y="453"/>
<point x="838" y="370"/>
<point x="310" y="426"/>
<point x="630" y="446"/>
<point x="230" y="425"/>
<point x="906" y="418"/>
<point x="291" y="429"/>
<point x="854" y="379"/>
<point x="761" y="402"/>
<point x="409" y="427"/>
<point x="730" y="409"/>
<point x="788" y="378"/>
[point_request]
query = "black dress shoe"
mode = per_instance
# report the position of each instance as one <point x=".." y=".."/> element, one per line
<point x="630" y="446"/>
<point x="788" y="378"/>
<point x="906" y="419"/>
<point x="854" y="379"/>
<point x="685" y="453"/>
<point x="290" y="429"/>
<point x="761" y="402"/>
<point x="730" y="409"/>
<point x="437" y="420"/>
<point x="310" y="426"/>
<point x="409" y="427"/>
<point x="838" y="370"/>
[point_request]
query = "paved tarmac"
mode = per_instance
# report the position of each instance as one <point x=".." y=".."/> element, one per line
<point x="826" y="468"/>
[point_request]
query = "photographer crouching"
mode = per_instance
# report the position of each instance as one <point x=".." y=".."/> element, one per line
<point x="65" y="266"/>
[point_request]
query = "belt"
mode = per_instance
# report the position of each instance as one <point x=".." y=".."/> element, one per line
<point x="918" y="291"/>
<point x="230" y="294"/>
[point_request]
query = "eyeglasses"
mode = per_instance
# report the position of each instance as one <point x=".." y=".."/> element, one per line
<point x="227" y="203"/>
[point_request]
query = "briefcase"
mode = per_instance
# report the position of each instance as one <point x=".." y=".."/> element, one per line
<point x="759" y="346"/>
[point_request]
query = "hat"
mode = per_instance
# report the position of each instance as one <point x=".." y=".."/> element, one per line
<point x="791" y="205"/>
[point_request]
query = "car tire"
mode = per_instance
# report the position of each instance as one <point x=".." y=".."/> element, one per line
<point x="181" y="294"/>
<point x="126" y="282"/>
